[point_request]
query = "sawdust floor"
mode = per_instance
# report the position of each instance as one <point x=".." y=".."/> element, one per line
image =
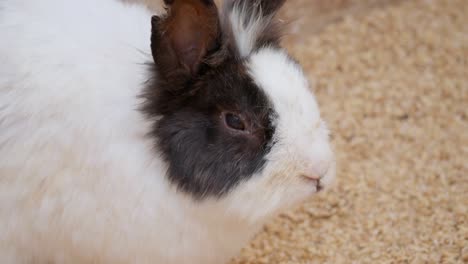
<point x="393" y="85"/>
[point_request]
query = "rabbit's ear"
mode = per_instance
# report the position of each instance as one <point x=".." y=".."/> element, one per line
<point x="181" y="39"/>
<point x="251" y="23"/>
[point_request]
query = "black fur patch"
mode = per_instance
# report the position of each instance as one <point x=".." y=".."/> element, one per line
<point x="205" y="158"/>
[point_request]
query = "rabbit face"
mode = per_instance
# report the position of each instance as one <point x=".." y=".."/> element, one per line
<point x="235" y="120"/>
<point x="300" y="161"/>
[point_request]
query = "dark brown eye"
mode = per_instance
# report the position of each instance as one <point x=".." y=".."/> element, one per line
<point x="233" y="121"/>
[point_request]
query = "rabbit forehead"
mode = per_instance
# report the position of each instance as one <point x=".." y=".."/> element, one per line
<point x="283" y="81"/>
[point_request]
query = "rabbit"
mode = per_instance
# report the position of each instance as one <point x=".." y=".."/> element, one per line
<point x="128" y="136"/>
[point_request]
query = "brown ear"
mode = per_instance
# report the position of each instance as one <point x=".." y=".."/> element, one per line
<point x="180" y="40"/>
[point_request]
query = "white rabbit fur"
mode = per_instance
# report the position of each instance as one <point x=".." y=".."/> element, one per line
<point x="79" y="180"/>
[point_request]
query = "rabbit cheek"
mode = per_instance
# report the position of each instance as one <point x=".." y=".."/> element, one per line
<point x="205" y="160"/>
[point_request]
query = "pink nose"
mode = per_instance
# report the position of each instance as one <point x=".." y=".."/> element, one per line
<point x="316" y="172"/>
<point x="312" y="176"/>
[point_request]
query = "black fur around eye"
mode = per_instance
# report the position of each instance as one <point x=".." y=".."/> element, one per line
<point x="234" y="121"/>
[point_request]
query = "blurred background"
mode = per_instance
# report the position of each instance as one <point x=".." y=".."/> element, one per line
<point x="391" y="78"/>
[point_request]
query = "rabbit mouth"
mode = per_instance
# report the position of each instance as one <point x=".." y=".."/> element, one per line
<point x="315" y="182"/>
<point x="319" y="187"/>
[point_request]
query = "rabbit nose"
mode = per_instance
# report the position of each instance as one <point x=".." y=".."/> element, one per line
<point x="315" y="172"/>
<point x="312" y="176"/>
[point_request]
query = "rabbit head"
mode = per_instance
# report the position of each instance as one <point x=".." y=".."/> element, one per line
<point x="234" y="117"/>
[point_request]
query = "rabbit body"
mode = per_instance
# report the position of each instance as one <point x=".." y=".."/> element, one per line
<point x="80" y="179"/>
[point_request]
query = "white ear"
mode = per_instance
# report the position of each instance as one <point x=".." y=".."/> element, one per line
<point x="251" y="23"/>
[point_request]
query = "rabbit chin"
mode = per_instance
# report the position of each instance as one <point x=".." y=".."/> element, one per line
<point x="278" y="188"/>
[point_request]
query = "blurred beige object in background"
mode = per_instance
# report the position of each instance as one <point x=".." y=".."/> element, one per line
<point x="307" y="15"/>
<point x="304" y="16"/>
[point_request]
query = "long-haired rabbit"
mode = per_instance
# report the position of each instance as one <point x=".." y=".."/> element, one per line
<point x="127" y="138"/>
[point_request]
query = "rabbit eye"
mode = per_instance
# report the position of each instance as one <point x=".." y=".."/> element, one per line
<point x="234" y="121"/>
